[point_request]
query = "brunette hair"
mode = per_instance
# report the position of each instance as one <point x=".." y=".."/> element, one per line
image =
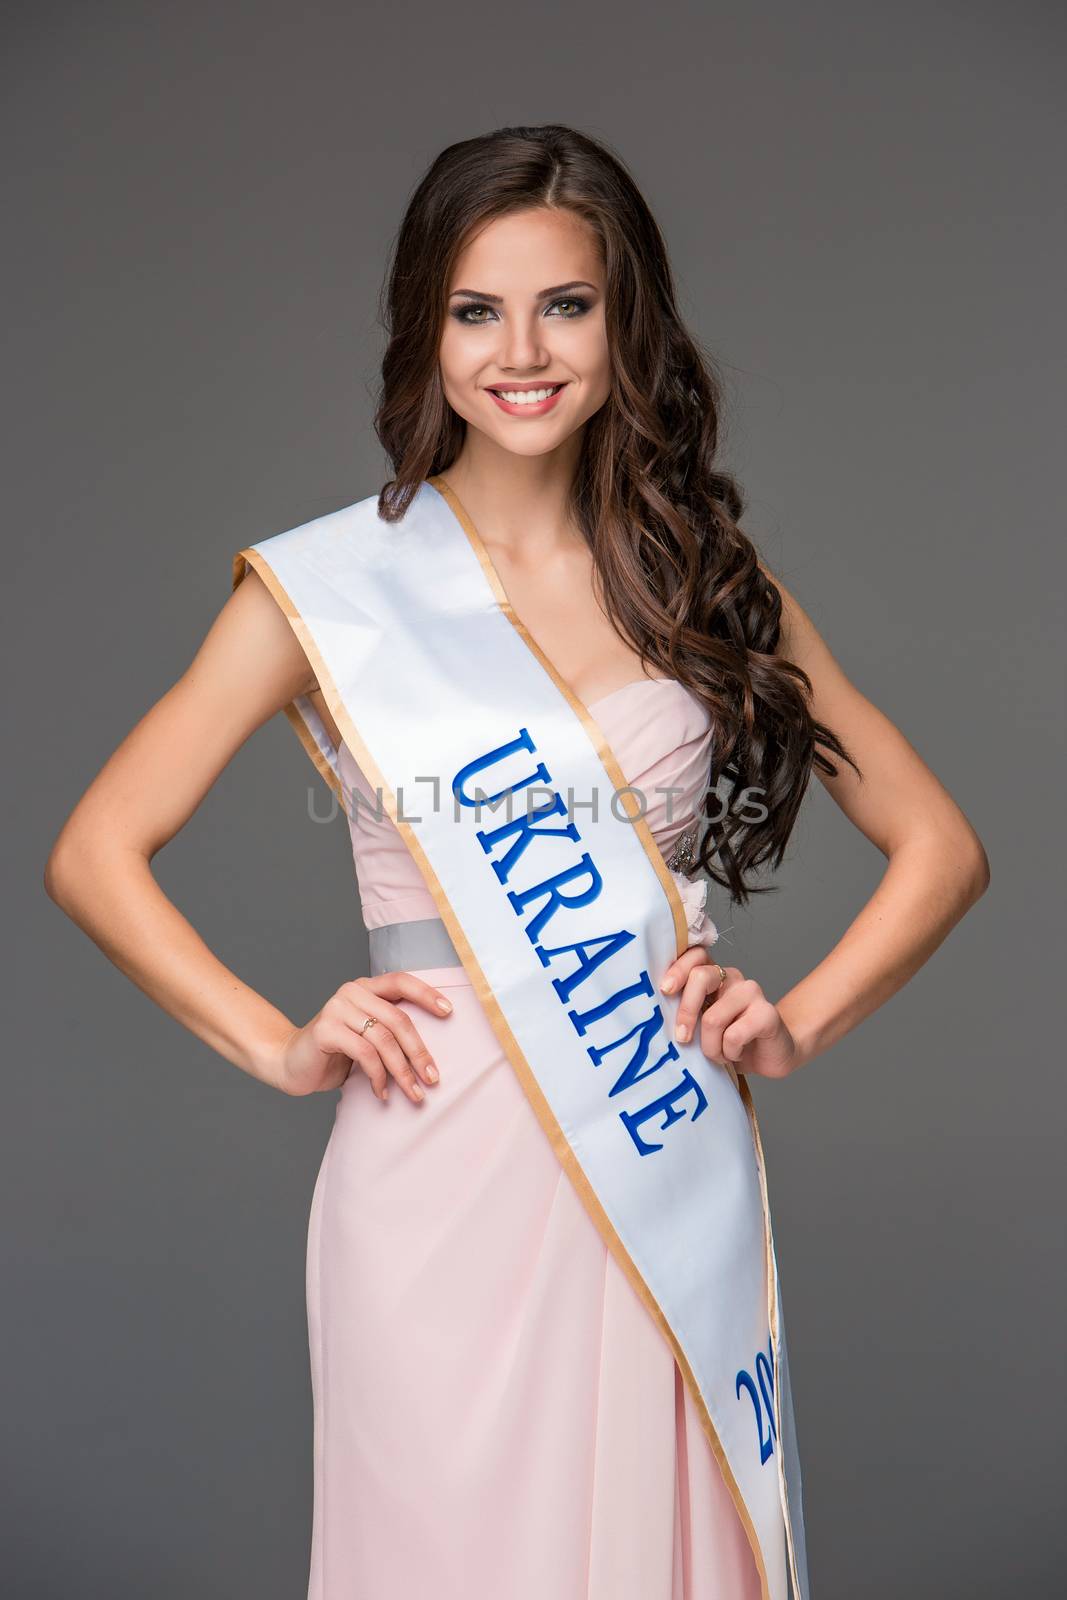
<point x="678" y="578"/>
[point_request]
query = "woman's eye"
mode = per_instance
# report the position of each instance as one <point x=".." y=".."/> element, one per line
<point x="579" y="307"/>
<point x="461" y="313"/>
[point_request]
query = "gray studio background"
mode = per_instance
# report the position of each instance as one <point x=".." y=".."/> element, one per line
<point x="860" y="204"/>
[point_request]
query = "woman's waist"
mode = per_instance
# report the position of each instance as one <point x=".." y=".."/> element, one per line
<point x="406" y="934"/>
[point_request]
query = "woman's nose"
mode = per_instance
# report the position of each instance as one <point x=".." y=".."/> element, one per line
<point x="523" y="345"/>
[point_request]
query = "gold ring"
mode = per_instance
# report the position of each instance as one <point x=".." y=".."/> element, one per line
<point x="722" y="976"/>
<point x="368" y="1024"/>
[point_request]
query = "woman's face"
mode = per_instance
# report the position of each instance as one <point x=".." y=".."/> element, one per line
<point x="525" y="314"/>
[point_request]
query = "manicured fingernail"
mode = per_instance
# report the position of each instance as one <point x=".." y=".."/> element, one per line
<point x="667" y="986"/>
<point x="443" y="1004"/>
<point x="681" y="1032"/>
<point x="418" y="1091"/>
<point x="431" y="1072"/>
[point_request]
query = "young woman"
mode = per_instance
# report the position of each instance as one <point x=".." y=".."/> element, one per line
<point x="546" y="1342"/>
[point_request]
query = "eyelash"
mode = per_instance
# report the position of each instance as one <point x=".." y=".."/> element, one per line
<point x="460" y="312"/>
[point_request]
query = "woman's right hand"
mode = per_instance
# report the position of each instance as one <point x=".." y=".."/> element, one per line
<point x="321" y="1054"/>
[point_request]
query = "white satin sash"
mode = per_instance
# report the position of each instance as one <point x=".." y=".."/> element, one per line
<point x="565" y="919"/>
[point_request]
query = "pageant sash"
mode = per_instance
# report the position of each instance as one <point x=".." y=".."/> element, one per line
<point x="565" y="916"/>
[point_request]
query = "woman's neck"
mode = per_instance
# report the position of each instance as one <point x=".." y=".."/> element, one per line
<point x="519" y="504"/>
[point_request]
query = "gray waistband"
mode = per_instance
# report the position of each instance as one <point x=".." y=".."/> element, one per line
<point x="406" y="946"/>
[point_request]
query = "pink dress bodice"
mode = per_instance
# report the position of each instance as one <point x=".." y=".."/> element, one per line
<point x="661" y="736"/>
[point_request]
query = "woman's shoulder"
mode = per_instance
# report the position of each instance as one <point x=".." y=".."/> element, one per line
<point x="799" y="639"/>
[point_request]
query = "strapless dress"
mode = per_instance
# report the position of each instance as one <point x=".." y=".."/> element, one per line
<point x="496" y="1416"/>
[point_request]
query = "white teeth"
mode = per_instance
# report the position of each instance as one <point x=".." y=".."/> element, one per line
<point x="526" y="397"/>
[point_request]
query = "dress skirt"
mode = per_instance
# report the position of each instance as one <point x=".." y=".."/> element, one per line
<point x="496" y="1415"/>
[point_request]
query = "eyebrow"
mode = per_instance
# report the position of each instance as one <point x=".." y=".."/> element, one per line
<point x="542" y="294"/>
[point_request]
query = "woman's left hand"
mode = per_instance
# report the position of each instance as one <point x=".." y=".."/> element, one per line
<point x="738" y="1025"/>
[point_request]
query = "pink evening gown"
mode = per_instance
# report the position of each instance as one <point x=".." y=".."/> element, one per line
<point x="496" y="1416"/>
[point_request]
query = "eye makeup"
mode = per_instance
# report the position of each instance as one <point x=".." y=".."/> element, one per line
<point x="459" y="312"/>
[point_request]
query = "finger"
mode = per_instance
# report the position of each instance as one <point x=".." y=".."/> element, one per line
<point x="680" y="968"/>
<point x="364" y="1001"/>
<point x="704" y="981"/>
<point x="335" y="1036"/>
<point x="758" y="1020"/>
<point x="405" y="985"/>
<point x="369" y="1062"/>
<point x="382" y="1060"/>
<point x="735" y="996"/>
<point x="381" y="1040"/>
<point x="375" y="995"/>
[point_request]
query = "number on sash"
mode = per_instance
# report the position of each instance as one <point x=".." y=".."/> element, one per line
<point x="762" y="1400"/>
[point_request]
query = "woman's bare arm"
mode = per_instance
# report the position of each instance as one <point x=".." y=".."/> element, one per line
<point x="937" y="865"/>
<point x="249" y="665"/>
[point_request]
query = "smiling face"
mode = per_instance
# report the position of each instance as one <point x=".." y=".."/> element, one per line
<point x="526" y="316"/>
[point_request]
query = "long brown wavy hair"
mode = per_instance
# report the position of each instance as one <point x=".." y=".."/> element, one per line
<point x="677" y="577"/>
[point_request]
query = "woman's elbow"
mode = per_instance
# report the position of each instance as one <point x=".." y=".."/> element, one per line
<point x="59" y="873"/>
<point x="978" y="873"/>
<point x="69" y="861"/>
